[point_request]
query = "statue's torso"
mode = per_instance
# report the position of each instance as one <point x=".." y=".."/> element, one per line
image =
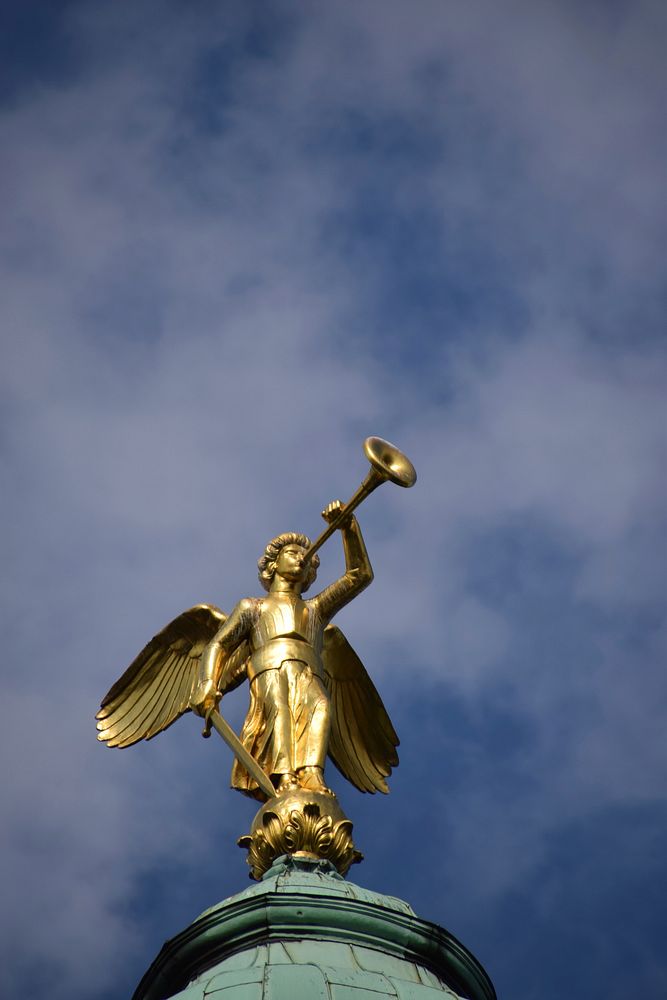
<point x="285" y="628"/>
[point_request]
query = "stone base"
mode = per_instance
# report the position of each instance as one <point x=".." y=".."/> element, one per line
<point x="301" y="824"/>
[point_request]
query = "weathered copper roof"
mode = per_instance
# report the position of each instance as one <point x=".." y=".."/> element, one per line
<point x="305" y="933"/>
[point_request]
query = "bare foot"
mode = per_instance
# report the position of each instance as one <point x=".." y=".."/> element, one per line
<point x="312" y="779"/>
<point x="288" y="782"/>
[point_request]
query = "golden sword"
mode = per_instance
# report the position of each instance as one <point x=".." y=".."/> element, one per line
<point x="222" y="727"/>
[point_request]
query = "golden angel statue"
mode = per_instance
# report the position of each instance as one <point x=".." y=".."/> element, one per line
<point x="310" y="695"/>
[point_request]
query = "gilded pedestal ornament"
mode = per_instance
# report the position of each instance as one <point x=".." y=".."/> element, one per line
<point x="304" y="825"/>
<point x="310" y="695"/>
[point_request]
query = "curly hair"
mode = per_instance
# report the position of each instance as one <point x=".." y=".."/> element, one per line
<point x="267" y="564"/>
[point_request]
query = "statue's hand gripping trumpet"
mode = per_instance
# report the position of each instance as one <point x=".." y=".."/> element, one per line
<point x="310" y="695"/>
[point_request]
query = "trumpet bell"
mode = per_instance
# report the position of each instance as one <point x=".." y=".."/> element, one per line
<point x="389" y="462"/>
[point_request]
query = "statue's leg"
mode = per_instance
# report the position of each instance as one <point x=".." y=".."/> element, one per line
<point x="313" y="722"/>
<point x="277" y="695"/>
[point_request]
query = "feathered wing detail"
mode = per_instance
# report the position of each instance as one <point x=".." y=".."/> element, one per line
<point x="156" y="688"/>
<point x="362" y="742"/>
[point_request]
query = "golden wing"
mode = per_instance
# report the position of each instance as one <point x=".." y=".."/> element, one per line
<point x="156" y="688"/>
<point x="363" y="742"/>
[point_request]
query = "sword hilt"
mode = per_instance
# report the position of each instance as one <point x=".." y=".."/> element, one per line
<point x="206" y="731"/>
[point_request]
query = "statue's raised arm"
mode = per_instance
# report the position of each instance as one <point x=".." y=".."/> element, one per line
<point x="358" y="570"/>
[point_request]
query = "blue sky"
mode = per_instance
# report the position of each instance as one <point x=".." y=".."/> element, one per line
<point x="236" y="240"/>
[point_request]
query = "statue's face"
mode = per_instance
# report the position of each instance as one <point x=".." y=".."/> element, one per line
<point x="290" y="563"/>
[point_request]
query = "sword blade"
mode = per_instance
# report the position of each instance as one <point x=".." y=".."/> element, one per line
<point x="223" y="729"/>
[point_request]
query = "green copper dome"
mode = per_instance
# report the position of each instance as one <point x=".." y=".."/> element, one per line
<point x="305" y="933"/>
